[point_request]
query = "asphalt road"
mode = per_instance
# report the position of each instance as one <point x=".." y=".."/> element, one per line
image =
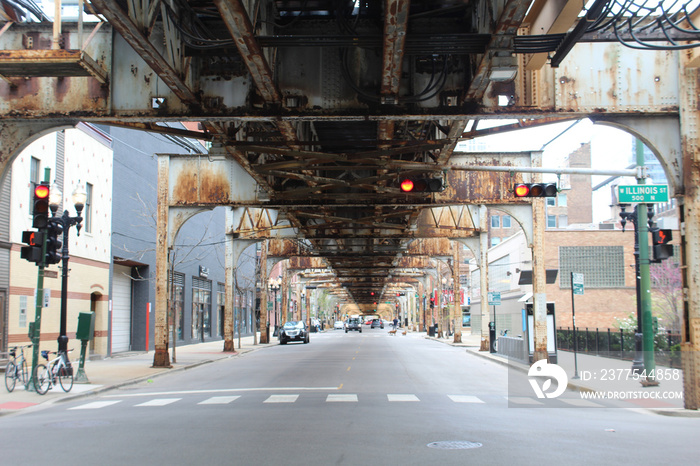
<point x="357" y="399"/>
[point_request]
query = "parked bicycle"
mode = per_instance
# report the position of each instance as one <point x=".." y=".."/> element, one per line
<point x="16" y="369"/>
<point x="59" y="368"/>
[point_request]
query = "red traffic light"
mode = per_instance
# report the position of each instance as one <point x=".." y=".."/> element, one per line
<point x="41" y="191"/>
<point x="41" y="206"/>
<point x="535" y="190"/>
<point x="422" y="185"/>
<point x="521" y="190"/>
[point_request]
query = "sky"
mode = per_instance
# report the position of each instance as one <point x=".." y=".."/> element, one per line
<point x="611" y="149"/>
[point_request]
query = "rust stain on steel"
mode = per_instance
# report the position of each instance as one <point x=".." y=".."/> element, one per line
<point x="395" y="23"/>
<point x="238" y="23"/>
<point x="121" y="23"/>
<point x="474" y="187"/>
<point x="301" y="263"/>
<point x="195" y="184"/>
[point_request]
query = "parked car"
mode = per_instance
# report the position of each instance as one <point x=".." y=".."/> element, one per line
<point x="294" y="331"/>
<point x="377" y="323"/>
<point x="338" y="325"/>
<point x="353" y="323"/>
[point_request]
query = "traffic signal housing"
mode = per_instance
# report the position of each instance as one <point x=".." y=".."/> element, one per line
<point x="40" y="209"/>
<point x="660" y="247"/>
<point x="53" y="243"/>
<point x="421" y="185"/>
<point x="535" y="190"/>
<point x="35" y="242"/>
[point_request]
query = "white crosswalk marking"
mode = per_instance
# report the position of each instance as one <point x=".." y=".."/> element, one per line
<point x="96" y="405"/>
<point x="159" y="402"/>
<point x="219" y="400"/>
<point x="464" y="399"/>
<point x="282" y="399"/>
<point x="332" y="398"/>
<point x="395" y="397"/>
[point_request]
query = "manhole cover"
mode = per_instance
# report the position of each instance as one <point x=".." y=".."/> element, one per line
<point x="454" y="445"/>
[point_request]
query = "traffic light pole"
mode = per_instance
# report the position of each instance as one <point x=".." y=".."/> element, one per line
<point x="35" y="327"/>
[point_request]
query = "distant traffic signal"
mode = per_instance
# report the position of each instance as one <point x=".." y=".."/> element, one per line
<point x="660" y="247"/>
<point x="35" y="242"/>
<point x="40" y="209"/>
<point x="535" y="190"/>
<point x="421" y="185"/>
<point x="53" y="243"/>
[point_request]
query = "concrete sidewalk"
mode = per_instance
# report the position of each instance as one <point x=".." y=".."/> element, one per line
<point x="123" y="369"/>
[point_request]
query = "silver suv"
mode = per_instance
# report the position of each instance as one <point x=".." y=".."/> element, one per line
<point x="353" y="323"/>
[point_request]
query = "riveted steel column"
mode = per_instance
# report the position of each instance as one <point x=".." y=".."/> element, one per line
<point x="264" y="331"/>
<point x="161" y="358"/>
<point x="229" y="289"/>
<point x="483" y="267"/>
<point x="690" y="233"/>
<point x="538" y="269"/>
<point x="456" y="305"/>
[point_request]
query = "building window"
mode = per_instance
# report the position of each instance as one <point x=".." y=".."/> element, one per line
<point x="34" y="174"/>
<point x="563" y="221"/>
<point x="221" y="304"/>
<point x="551" y="221"/>
<point x="506" y="221"/>
<point x="551" y="201"/>
<point x="561" y="199"/>
<point x="201" y="308"/>
<point x="495" y="240"/>
<point x="178" y="295"/>
<point x="87" y="210"/>
<point x="495" y="221"/>
<point x="498" y="274"/>
<point x="601" y="266"/>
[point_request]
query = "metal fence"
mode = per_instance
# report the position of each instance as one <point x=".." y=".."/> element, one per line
<point x="619" y="344"/>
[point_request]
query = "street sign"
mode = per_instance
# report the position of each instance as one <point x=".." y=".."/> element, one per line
<point x="643" y="193"/>
<point x="577" y="283"/>
<point x="494" y="298"/>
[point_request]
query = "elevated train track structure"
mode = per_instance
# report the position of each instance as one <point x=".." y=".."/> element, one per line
<point x="317" y="109"/>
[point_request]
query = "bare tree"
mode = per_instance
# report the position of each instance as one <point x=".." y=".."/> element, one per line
<point x="667" y="290"/>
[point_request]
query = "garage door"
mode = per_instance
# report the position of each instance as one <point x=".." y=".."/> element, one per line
<point x="121" y="309"/>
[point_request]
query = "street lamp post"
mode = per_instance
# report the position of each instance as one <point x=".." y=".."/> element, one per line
<point x="274" y="286"/>
<point x="65" y="221"/>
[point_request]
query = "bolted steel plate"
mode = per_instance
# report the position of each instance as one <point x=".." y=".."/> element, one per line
<point x="454" y="445"/>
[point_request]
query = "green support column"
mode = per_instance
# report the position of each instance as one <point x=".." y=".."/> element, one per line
<point x="645" y="282"/>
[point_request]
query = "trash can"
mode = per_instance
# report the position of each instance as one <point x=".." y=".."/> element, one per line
<point x="431" y="331"/>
